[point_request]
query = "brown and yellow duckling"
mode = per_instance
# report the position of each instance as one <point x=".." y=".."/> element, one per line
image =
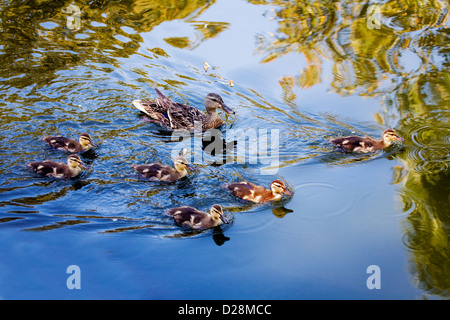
<point x="366" y="144"/>
<point x="159" y="172"/>
<point x="196" y="219"/>
<point x="258" y="194"/>
<point x="49" y="168"/>
<point x="174" y="116"/>
<point x="83" y="144"/>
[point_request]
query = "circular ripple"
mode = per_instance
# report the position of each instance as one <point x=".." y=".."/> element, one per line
<point x="434" y="152"/>
<point x="384" y="203"/>
<point x="254" y="220"/>
<point x="432" y="167"/>
<point x="313" y="204"/>
<point x="426" y="135"/>
<point x="430" y="159"/>
<point x="417" y="240"/>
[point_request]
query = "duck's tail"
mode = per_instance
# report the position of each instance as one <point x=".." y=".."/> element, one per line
<point x="139" y="104"/>
<point x="162" y="100"/>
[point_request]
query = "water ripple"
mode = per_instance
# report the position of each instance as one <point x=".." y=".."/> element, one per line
<point x="430" y="134"/>
<point x="313" y="204"/>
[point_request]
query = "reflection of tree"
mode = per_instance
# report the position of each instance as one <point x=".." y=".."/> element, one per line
<point x="36" y="41"/>
<point x="404" y="57"/>
<point x="426" y="192"/>
<point x="203" y="31"/>
<point x="427" y="230"/>
<point x="364" y="57"/>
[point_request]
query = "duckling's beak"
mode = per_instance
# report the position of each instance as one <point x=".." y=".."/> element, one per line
<point x="227" y="109"/>
<point x="92" y="143"/>
<point x="190" y="167"/>
<point x="83" y="165"/>
<point x="398" y="138"/>
<point x="289" y="193"/>
<point x="224" y="220"/>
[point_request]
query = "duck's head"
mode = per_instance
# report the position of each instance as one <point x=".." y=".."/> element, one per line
<point x="278" y="187"/>
<point x="214" y="101"/>
<point x="390" y="135"/>
<point x="75" y="162"/>
<point x="217" y="213"/>
<point x="86" y="141"/>
<point x="180" y="163"/>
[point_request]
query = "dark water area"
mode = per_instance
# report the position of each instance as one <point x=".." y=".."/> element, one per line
<point x="296" y="74"/>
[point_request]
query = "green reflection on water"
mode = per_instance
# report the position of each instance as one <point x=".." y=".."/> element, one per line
<point x="403" y="57"/>
<point x="37" y="40"/>
<point x="405" y="61"/>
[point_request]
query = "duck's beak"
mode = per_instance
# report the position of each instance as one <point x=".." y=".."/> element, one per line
<point x="92" y="143"/>
<point x="190" y="167"/>
<point x="289" y="193"/>
<point x="224" y="220"/>
<point x="398" y="138"/>
<point x="227" y="109"/>
<point x="83" y="165"/>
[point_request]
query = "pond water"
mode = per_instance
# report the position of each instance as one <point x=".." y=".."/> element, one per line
<point x="296" y="73"/>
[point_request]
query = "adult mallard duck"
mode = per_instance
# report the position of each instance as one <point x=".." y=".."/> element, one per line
<point x="83" y="144"/>
<point x="196" y="219"/>
<point x="159" y="172"/>
<point x="175" y="116"/>
<point x="258" y="194"/>
<point x="58" y="170"/>
<point x="366" y="144"/>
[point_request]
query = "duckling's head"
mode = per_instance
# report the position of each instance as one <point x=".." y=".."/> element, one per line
<point x="75" y="162"/>
<point x="390" y="135"/>
<point x="278" y="187"/>
<point x="86" y="141"/>
<point x="213" y="101"/>
<point x="217" y="213"/>
<point x="181" y="164"/>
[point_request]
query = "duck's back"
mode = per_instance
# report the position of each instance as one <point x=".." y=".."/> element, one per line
<point x="63" y="143"/>
<point x="156" y="171"/>
<point x="243" y="189"/>
<point x="188" y="216"/>
<point x="183" y="116"/>
<point x="49" y="168"/>
<point x="356" y="143"/>
<point x="348" y="142"/>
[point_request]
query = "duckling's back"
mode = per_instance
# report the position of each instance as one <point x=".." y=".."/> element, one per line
<point x="187" y="216"/>
<point x="49" y="168"/>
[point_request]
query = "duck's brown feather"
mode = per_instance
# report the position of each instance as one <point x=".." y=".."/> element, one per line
<point x="249" y="191"/>
<point x="356" y="143"/>
<point x="191" y="217"/>
<point x="156" y="112"/>
<point x="156" y="171"/>
<point x="63" y="143"/>
<point x="186" y="215"/>
<point x="174" y="116"/>
<point x="50" y="168"/>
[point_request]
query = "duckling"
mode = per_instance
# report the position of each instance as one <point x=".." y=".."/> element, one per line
<point x="258" y="194"/>
<point x="196" y="219"/>
<point x="156" y="171"/>
<point x="83" y="144"/>
<point x="366" y="144"/>
<point x="175" y="116"/>
<point x="58" y="170"/>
